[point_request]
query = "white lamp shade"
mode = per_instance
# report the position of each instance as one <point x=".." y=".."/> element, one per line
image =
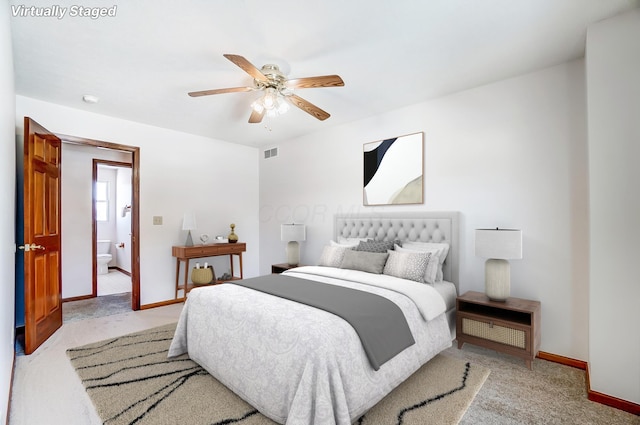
<point x="292" y="232"/>
<point x="189" y="221"/>
<point x="503" y="244"/>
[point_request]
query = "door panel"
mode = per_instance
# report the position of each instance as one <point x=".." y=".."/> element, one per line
<point x="42" y="179"/>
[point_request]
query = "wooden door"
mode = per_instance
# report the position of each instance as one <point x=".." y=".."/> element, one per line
<point x="42" y="238"/>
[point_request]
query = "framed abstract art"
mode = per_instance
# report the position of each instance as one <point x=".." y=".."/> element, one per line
<point x="393" y="171"/>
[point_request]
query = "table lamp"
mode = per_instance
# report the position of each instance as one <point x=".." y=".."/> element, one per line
<point x="292" y="234"/>
<point x="189" y="224"/>
<point x="498" y="246"/>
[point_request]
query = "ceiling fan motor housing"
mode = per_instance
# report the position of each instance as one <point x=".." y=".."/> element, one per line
<point x="275" y="77"/>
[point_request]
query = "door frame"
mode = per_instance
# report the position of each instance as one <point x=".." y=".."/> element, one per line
<point x="135" y="207"/>
<point x="94" y="224"/>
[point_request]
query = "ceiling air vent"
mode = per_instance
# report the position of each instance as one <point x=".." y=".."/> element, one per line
<point x="270" y="153"/>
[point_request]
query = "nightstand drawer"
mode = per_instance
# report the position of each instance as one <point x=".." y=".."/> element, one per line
<point x="492" y="332"/>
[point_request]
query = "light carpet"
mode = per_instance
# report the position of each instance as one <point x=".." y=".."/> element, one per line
<point x="131" y="380"/>
<point x="105" y="305"/>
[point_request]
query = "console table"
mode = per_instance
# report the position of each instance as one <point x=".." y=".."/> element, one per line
<point x="186" y="253"/>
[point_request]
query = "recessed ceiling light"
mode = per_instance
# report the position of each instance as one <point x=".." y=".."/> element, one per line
<point x="89" y="98"/>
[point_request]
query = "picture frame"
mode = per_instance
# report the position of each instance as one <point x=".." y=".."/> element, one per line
<point x="393" y="171"/>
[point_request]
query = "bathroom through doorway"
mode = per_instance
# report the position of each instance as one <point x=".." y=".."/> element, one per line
<point x="112" y="207"/>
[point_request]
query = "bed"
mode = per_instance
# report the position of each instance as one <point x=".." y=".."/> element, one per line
<point x="298" y="364"/>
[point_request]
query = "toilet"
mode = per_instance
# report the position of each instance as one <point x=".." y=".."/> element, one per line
<point x="104" y="256"/>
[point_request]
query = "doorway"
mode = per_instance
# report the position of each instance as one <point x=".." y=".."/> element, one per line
<point x="125" y="259"/>
<point x="111" y="234"/>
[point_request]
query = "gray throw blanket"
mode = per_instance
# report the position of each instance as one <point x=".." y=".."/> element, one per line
<point x="379" y="322"/>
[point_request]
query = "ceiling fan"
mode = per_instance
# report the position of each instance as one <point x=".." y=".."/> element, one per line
<point x="277" y="90"/>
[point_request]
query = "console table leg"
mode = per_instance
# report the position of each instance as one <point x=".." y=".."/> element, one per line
<point x="186" y="279"/>
<point x="177" y="276"/>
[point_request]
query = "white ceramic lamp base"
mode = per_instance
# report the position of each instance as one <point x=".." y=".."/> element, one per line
<point x="497" y="279"/>
<point x="293" y="253"/>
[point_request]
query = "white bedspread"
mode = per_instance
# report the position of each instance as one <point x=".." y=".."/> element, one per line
<point x="297" y="364"/>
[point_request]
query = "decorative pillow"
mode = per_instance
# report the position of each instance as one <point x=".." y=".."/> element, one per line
<point x="375" y="246"/>
<point x="431" y="270"/>
<point x="332" y="256"/>
<point x="407" y="265"/>
<point x="427" y="246"/>
<point x="371" y="262"/>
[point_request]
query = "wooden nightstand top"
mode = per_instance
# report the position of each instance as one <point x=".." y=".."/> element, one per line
<point x="512" y="303"/>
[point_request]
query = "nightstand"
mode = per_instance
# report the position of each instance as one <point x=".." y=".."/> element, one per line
<point x="279" y="268"/>
<point x="511" y="327"/>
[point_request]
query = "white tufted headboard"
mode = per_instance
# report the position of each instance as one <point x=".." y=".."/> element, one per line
<point x="421" y="226"/>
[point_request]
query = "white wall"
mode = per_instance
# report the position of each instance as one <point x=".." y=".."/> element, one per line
<point x="77" y="175"/>
<point x="7" y="218"/>
<point x="613" y="70"/>
<point x="510" y="154"/>
<point x="179" y="172"/>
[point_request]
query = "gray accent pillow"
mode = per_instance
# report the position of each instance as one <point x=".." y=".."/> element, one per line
<point x="407" y="265"/>
<point x="371" y="262"/>
<point x="442" y="251"/>
<point x="376" y="246"/>
<point x="332" y="256"/>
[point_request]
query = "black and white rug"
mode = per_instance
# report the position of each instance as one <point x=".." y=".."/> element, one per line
<point x="131" y="380"/>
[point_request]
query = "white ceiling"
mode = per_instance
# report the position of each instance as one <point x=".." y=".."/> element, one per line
<point x="142" y="62"/>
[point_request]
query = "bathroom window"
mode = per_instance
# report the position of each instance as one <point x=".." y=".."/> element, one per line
<point x="102" y="201"/>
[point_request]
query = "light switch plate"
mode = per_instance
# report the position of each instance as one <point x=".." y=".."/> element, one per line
<point x="157" y="220"/>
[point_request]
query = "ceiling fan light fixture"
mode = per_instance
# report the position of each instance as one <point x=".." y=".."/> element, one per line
<point x="270" y="98"/>
<point x="272" y="103"/>
<point x="283" y="106"/>
<point x="257" y="106"/>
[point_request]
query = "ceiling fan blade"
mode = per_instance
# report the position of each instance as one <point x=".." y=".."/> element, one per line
<point x="308" y="107"/>
<point x="247" y="67"/>
<point x="220" y="91"/>
<point x="313" y="82"/>
<point x="256" y="116"/>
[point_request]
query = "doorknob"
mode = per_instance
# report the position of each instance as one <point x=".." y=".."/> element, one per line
<point x="31" y="247"/>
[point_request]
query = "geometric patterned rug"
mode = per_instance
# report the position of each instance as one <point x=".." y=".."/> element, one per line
<point x="130" y="380"/>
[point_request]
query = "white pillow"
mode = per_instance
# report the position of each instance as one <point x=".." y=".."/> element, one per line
<point x="427" y="246"/>
<point x="431" y="271"/>
<point x="343" y="242"/>
<point x="332" y="256"/>
<point x="407" y="265"/>
<point x="350" y="240"/>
